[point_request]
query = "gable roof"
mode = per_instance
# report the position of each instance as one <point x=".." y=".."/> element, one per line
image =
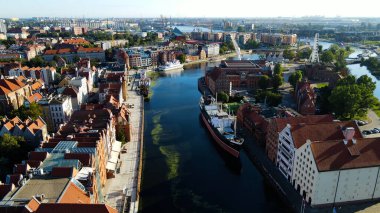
<point x="335" y="155"/>
<point x="321" y="132"/>
<point x="309" y="119"/>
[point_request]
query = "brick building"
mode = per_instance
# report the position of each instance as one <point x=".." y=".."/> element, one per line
<point x="234" y="75"/>
<point x="305" y="98"/>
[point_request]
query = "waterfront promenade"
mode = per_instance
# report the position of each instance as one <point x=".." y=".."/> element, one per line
<point x="121" y="191"/>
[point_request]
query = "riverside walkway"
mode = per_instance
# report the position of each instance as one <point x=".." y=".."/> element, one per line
<point x="121" y="191"/>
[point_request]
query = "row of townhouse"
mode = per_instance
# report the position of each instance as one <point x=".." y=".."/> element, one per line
<point x="327" y="161"/>
<point x="69" y="168"/>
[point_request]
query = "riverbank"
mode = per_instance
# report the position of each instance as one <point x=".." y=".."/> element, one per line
<point x="122" y="191"/>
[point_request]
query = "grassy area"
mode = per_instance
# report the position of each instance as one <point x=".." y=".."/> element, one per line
<point x="376" y="108"/>
<point x="320" y="85"/>
<point x="375" y="43"/>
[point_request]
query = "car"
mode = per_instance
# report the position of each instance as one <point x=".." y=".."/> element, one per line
<point x="375" y="130"/>
<point x="361" y="123"/>
<point x="366" y="132"/>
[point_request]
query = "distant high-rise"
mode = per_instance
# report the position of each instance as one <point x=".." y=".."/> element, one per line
<point x="3" y="27"/>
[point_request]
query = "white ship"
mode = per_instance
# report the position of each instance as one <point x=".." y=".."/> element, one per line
<point x="175" y="65"/>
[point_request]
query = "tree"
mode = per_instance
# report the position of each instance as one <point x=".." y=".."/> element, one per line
<point x="278" y="69"/>
<point x="222" y="96"/>
<point x="305" y="53"/>
<point x="182" y="58"/>
<point x="264" y="82"/>
<point x="289" y="54"/>
<point x="269" y="97"/>
<point x="277" y="81"/>
<point x="352" y="97"/>
<point x="327" y="56"/>
<point x="23" y="113"/>
<point x="252" y="44"/>
<point x="241" y="29"/>
<point x="294" y="78"/>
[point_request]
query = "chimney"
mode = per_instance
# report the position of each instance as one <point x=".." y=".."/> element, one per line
<point x="348" y="133"/>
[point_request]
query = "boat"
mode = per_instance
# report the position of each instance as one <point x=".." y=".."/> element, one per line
<point x="174" y="65"/>
<point x="221" y="125"/>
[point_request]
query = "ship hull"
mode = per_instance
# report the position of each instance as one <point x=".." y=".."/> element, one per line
<point x="218" y="138"/>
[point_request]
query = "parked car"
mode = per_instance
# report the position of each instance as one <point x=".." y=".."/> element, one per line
<point x="361" y="123"/>
<point x="366" y="132"/>
<point x="375" y="130"/>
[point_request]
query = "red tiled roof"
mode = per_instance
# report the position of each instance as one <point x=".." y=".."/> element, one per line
<point x="335" y="155"/>
<point x="321" y="132"/>
<point x="70" y="91"/>
<point x="92" y="49"/>
<point x="309" y="119"/>
<point x="74" y="194"/>
<point x="33" y="163"/>
<point x="36" y="85"/>
<point x="35" y="97"/>
<point x="76" y="41"/>
<point x="21" y="169"/>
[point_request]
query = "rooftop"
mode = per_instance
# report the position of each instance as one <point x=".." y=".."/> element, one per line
<point x="336" y="155"/>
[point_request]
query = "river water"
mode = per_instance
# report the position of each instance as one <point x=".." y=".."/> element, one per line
<point x="184" y="171"/>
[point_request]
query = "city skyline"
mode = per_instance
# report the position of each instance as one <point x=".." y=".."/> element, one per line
<point x="197" y="8"/>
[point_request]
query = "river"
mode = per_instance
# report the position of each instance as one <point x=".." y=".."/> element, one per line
<point x="183" y="169"/>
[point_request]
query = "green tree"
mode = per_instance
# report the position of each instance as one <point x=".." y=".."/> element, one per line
<point x="222" y="96"/>
<point x="241" y="29"/>
<point x="252" y="44"/>
<point x="289" y="54"/>
<point x="182" y="58"/>
<point x="352" y="97"/>
<point x="278" y="69"/>
<point x="277" y="81"/>
<point x="294" y="78"/>
<point x="264" y="82"/>
<point x="23" y="113"/>
<point x="327" y="56"/>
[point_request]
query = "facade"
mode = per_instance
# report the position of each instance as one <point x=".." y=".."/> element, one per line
<point x="212" y="49"/>
<point x="278" y="39"/>
<point x="81" y="84"/>
<point x="33" y="131"/>
<point x="3" y="27"/>
<point x="13" y="93"/>
<point x="305" y="98"/>
<point x="81" y="52"/>
<point x="234" y="75"/>
<point x="292" y="137"/>
<point x="60" y="110"/>
<point x="277" y="125"/>
<point x="46" y="74"/>
<point x="338" y="171"/>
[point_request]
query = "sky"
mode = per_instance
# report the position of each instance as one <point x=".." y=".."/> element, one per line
<point x="188" y="8"/>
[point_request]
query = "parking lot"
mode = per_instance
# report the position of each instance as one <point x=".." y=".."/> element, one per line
<point x="373" y="126"/>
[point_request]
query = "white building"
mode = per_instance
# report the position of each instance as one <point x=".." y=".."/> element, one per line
<point x="60" y="110"/>
<point x="212" y="49"/>
<point x="339" y="171"/>
<point x="3" y="27"/>
<point x="81" y="84"/>
<point x="291" y="138"/>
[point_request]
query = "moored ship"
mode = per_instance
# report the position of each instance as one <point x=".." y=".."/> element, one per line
<point x="175" y="65"/>
<point x="221" y="126"/>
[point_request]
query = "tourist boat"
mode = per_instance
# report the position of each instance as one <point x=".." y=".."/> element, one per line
<point x="175" y="65"/>
<point x="221" y="126"/>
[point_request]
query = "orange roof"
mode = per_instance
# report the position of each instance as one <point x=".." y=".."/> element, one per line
<point x="33" y="204"/>
<point x="4" y="91"/>
<point x="335" y="155"/>
<point x="92" y="49"/>
<point x="76" y="41"/>
<point x="35" y="97"/>
<point x="51" y="52"/>
<point x="321" y="132"/>
<point x="74" y="194"/>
